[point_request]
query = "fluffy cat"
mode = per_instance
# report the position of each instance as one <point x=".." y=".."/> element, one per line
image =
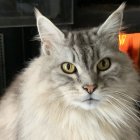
<point x="81" y="87"/>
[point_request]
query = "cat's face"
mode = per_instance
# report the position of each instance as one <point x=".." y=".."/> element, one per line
<point x="85" y="67"/>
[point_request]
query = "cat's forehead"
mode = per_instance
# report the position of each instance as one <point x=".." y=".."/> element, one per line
<point x="82" y="43"/>
<point x="87" y="47"/>
<point x="82" y="37"/>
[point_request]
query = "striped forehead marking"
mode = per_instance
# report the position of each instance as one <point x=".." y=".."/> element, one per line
<point x="82" y="45"/>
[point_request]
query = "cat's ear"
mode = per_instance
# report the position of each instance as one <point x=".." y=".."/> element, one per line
<point x="112" y="26"/>
<point x="49" y="34"/>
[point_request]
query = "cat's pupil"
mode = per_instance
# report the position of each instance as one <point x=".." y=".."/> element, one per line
<point x="103" y="63"/>
<point x="68" y="66"/>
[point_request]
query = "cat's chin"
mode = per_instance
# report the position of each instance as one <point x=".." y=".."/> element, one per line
<point x="87" y="104"/>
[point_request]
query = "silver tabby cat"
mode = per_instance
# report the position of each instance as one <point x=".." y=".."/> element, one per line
<point x="81" y="87"/>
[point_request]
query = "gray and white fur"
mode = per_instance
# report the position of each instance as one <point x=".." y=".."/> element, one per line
<point x="44" y="103"/>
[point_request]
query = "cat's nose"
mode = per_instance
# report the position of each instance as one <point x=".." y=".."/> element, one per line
<point x="90" y="88"/>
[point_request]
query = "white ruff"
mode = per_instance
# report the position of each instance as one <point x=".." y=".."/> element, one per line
<point x="49" y="120"/>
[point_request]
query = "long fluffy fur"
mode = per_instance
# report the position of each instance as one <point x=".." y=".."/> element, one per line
<point x="43" y="103"/>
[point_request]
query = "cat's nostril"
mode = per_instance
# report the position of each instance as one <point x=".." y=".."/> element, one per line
<point x="90" y="88"/>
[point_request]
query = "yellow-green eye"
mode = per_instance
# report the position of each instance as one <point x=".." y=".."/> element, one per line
<point x="68" y="68"/>
<point x="104" y="64"/>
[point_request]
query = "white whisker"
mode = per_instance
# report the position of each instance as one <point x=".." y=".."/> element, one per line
<point x="122" y="93"/>
<point x="128" y="110"/>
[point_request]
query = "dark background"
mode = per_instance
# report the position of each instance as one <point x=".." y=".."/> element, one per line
<point x="17" y="26"/>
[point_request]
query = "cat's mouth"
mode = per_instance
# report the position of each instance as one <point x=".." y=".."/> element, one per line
<point x="88" y="103"/>
<point x="91" y="100"/>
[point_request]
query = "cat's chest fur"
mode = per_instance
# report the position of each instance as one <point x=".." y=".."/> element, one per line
<point x="72" y="126"/>
<point x="86" y="127"/>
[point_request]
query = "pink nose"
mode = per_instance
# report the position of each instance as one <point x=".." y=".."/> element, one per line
<point x="89" y="88"/>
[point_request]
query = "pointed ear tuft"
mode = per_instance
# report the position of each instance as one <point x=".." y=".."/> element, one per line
<point x="112" y="26"/>
<point x="37" y="13"/>
<point x="49" y="34"/>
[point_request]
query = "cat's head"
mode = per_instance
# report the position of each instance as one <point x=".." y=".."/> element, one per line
<point x="85" y="68"/>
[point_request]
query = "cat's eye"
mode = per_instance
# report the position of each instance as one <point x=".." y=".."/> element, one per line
<point x="68" y="68"/>
<point x="104" y="64"/>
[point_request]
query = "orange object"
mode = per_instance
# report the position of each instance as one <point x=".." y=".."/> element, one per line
<point x="130" y="44"/>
